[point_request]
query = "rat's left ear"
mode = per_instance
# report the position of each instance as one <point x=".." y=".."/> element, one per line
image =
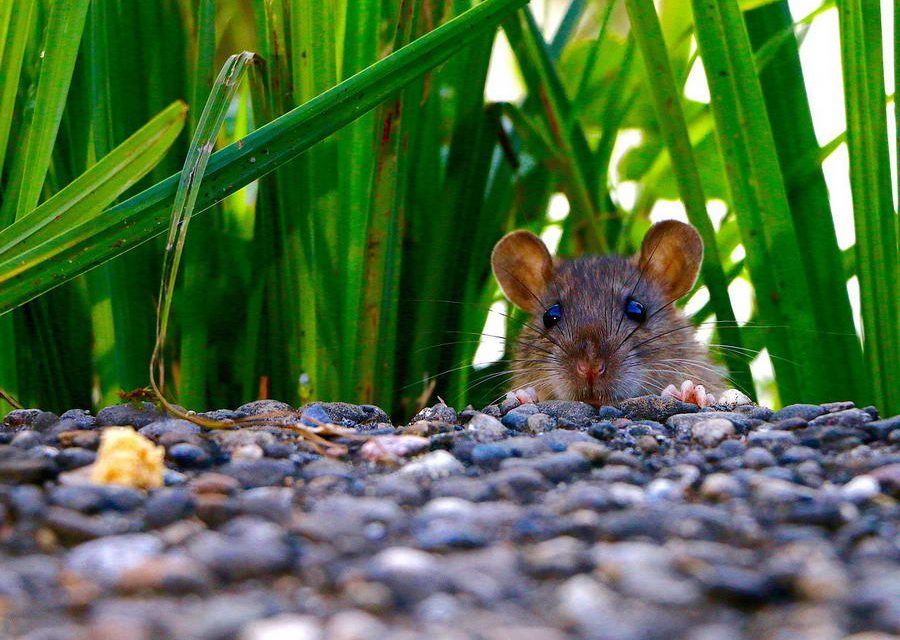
<point x="670" y="256"/>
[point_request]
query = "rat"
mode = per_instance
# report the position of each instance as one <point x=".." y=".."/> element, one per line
<point x="605" y="328"/>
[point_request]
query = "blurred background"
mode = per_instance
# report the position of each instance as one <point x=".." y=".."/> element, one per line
<point x="359" y="271"/>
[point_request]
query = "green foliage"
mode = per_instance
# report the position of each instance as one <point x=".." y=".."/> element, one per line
<point x="361" y="181"/>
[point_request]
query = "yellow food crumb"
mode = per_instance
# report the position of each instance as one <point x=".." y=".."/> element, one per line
<point x="126" y="457"/>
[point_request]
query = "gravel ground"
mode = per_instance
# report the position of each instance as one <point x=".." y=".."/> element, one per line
<point x="556" y="520"/>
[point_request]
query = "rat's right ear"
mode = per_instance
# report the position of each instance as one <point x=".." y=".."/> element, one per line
<point x="523" y="267"/>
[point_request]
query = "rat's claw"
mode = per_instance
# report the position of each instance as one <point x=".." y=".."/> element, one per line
<point x="528" y="395"/>
<point x="690" y="392"/>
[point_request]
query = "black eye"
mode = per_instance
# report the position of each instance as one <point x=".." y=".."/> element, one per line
<point x="635" y="310"/>
<point x="552" y="316"/>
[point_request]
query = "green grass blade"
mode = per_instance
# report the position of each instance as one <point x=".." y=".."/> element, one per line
<point x="573" y="154"/>
<point x="195" y="164"/>
<point x="377" y="315"/>
<point x="60" y="49"/>
<point x="759" y="199"/>
<point x="84" y="198"/>
<point x="193" y="313"/>
<point x="357" y="157"/>
<point x="792" y="128"/>
<point x="673" y="126"/>
<point x="13" y="52"/>
<point x="877" y="261"/>
<point x="143" y="216"/>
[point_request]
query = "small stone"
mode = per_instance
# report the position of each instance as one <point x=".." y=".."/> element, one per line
<point x="434" y="465"/>
<point x="720" y="487"/>
<point x="882" y="429"/>
<point x="16" y="468"/>
<point x="758" y="458"/>
<point x="713" y="431"/>
<point x="285" y="626"/>
<point x="861" y="488"/>
<point x="353" y="624"/>
<point x="212" y="482"/>
<point x="85" y="439"/>
<point x="733" y="398"/>
<point x="603" y="430"/>
<point x="32" y="418"/>
<point x="187" y="455"/>
<point x="169" y="427"/>
<point x="805" y="411"/>
<point x="578" y="413"/>
<point x="248" y="548"/>
<point x="888" y="476"/>
<point x="258" y="407"/>
<point x="408" y="573"/>
<point x="845" y="418"/>
<point x="796" y="455"/>
<point x="259" y="473"/>
<point x="271" y="503"/>
<point x="594" y="452"/>
<point x="437" y="413"/>
<point x="539" y="423"/>
<point x="648" y="444"/>
<point x="74" y="458"/>
<point x="485" y="428"/>
<point x="132" y="415"/>
<point x="105" y="560"/>
<point x="556" y="558"/>
<point x="165" y="506"/>
<point x="26" y="440"/>
<point x="516" y="418"/>
<point x="247" y="452"/>
<point x="656" y="408"/>
<point x="73" y="526"/>
<point x="391" y="449"/>
<point x="173" y="574"/>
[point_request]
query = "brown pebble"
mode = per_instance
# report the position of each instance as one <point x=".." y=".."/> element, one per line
<point x="211" y="482"/>
<point x="214" y="509"/>
<point x="648" y="444"/>
<point x="593" y="451"/>
<point x="78" y="438"/>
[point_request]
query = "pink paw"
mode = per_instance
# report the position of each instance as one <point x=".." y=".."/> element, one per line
<point x="690" y="392"/>
<point x="524" y="396"/>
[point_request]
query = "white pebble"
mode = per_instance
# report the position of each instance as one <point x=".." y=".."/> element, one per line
<point x="861" y="488"/>
<point x="286" y="626"/>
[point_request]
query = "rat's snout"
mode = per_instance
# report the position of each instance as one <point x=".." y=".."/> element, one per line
<point x="591" y="370"/>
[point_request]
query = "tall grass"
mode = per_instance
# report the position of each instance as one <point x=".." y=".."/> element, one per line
<point x="361" y="180"/>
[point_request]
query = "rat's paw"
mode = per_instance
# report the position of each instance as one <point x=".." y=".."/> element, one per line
<point x="690" y="392"/>
<point x="528" y="395"/>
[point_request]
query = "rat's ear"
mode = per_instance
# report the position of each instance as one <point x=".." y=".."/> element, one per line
<point x="523" y="267"/>
<point x="670" y="256"/>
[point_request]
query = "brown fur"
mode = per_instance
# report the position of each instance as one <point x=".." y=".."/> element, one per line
<point x="640" y="358"/>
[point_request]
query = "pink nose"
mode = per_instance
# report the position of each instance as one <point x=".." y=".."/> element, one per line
<point x="590" y="371"/>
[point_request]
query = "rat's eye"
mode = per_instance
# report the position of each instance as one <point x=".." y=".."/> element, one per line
<point x="635" y="310"/>
<point x="552" y="316"/>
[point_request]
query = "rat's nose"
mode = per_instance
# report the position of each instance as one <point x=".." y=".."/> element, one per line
<point x="590" y="370"/>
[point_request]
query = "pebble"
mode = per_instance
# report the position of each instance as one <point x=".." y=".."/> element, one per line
<point x="390" y="449"/>
<point x="263" y="472"/>
<point x="285" y="626"/>
<point x="805" y="411"/>
<point x="135" y="415"/>
<point x="712" y="431"/>
<point x="485" y="428"/>
<point x="165" y="506"/>
<point x="106" y="559"/>
<point x="655" y="519"/>
<point x="434" y="465"/>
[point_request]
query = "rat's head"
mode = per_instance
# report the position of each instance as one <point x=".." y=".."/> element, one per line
<point x="600" y="326"/>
